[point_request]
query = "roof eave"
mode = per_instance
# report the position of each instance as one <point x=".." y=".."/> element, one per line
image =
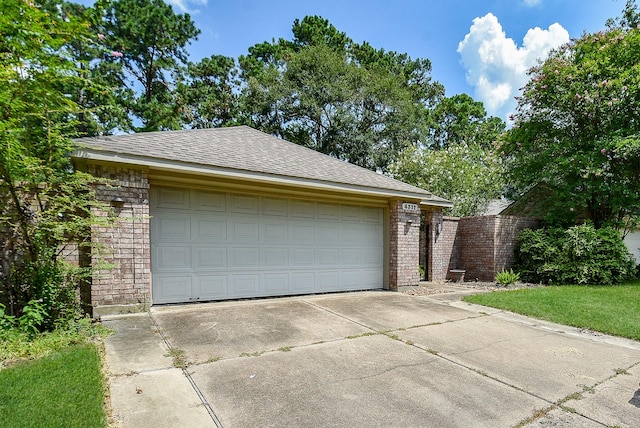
<point x="213" y="171"/>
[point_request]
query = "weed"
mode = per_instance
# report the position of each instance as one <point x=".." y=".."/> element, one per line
<point x="285" y="349"/>
<point x="621" y="371"/>
<point x="179" y="357"/>
<point x="355" y="336"/>
<point x="537" y="414"/>
<point x="432" y="351"/>
<point x="255" y="354"/>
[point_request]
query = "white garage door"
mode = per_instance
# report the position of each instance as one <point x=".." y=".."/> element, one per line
<point x="212" y="245"/>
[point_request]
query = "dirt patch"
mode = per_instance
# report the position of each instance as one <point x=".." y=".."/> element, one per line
<point x="431" y="288"/>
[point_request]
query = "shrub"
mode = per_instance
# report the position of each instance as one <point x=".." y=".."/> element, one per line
<point x="578" y="255"/>
<point x="507" y="277"/>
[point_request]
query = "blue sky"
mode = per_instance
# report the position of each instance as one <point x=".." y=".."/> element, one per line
<point x="490" y="65"/>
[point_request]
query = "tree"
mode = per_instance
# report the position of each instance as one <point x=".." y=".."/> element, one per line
<point x="207" y="93"/>
<point x="348" y="100"/>
<point x="44" y="203"/>
<point x="461" y="119"/>
<point x="577" y="129"/>
<point x="150" y="40"/>
<point x="468" y="175"/>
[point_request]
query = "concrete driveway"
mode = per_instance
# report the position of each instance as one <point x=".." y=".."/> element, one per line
<point x="362" y="360"/>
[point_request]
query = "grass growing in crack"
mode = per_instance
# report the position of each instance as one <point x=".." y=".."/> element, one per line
<point x="285" y="349"/>
<point x="409" y="342"/>
<point x="621" y="371"/>
<point x="212" y="359"/>
<point x="574" y="396"/>
<point x="355" y="336"/>
<point x="254" y="354"/>
<point x="392" y="336"/>
<point x="432" y="351"/>
<point x="537" y="414"/>
<point x="179" y="357"/>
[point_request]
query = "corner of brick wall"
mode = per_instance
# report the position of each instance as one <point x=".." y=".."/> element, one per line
<point x="404" y="243"/>
<point x="124" y="248"/>
<point x="442" y="250"/>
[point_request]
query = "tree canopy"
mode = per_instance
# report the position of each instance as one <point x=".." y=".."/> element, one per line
<point x="326" y="92"/>
<point x="577" y="129"/>
<point x="44" y="203"/>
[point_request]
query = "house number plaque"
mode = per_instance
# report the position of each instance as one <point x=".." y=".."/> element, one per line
<point x="410" y="207"/>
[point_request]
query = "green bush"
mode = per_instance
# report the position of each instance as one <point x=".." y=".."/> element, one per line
<point x="507" y="277"/>
<point x="578" y="255"/>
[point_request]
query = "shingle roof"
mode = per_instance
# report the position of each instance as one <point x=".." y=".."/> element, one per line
<point x="243" y="148"/>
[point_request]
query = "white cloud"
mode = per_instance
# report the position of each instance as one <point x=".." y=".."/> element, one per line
<point x="532" y="3"/>
<point x="184" y="5"/>
<point x="497" y="67"/>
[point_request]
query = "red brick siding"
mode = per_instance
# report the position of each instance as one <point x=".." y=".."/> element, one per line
<point x="404" y="243"/>
<point x="125" y="245"/>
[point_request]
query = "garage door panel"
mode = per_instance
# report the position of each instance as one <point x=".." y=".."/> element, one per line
<point x="244" y="257"/>
<point x="210" y="201"/>
<point x="371" y="256"/>
<point x="327" y="281"/>
<point x="350" y="280"/>
<point x="302" y="209"/>
<point x="274" y="258"/>
<point x="304" y="282"/>
<point x="245" y="285"/>
<point x="212" y="287"/>
<point x="172" y="289"/>
<point x="209" y="245"/>
<point x="172" y="198"/>
<point x="172" y="228"/>
<point x="170" y="258"/>
<point x="245" y="230"/>
<point x="275" y="283"/>
<point x="327" y="257"/>
<point x="244" y="204"/>
<point x="207" y="258"/>
<point x="327" y="233"/>
<point x="350" y="213"/>
<point x="209" y="229"/>
<point x="350" y="256"/>
<point x="303" y="233"/>
<point x="302" y="257"/>
<point x="275" y="232"/>
<point x="275" y="207"/>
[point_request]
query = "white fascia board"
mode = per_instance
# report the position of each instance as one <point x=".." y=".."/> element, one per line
<point x="213" y="171"/>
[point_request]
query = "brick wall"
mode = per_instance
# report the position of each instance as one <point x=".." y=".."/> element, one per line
<point x="440" y="236"/>
<point x="482" y="246"/>
<point x="487" y="243"/>
<point x="125" y="284"/>
<point x="404" y="243"/>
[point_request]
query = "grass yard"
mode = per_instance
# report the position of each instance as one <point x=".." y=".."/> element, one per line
<point x="64" y="388"/>
<point x="609" y="309"/>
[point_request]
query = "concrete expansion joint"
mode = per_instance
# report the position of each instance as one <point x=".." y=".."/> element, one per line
<point x="338" y="315"/>
<point x="186" y="373"/>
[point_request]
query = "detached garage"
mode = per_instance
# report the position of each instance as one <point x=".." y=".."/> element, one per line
<point x="232" y="213"/>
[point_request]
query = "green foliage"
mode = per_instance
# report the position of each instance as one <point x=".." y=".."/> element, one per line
<point x="323" y="91"/>
<point x="148" y="41"/>
<point x="65" y="388"/>
<point x="461" y="119"/>
<point x="507" y="277"/>
<point x="465" y="174"/>
<point x="19" y="345"/>
<point x="207" y="93"/>
<point x="576" y="128"/>
<point x="46" y="207"/>
<point x="578" y="255"/>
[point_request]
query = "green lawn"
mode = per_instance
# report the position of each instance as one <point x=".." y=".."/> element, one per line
<point x="62" y="389"/>
<point x="608" y="309"/>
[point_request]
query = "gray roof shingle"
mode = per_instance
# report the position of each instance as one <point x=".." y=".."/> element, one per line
<point x="245" y="149"/>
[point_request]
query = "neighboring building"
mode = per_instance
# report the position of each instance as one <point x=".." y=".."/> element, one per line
<point x="231" y="213"/>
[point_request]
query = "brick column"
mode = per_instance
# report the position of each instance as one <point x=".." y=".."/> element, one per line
<point x="124" y="283"/>
<point x="404" y="243"/>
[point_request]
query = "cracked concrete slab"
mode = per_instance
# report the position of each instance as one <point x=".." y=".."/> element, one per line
<point x="361" y="382"/>
<point x="323" y="361"/>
